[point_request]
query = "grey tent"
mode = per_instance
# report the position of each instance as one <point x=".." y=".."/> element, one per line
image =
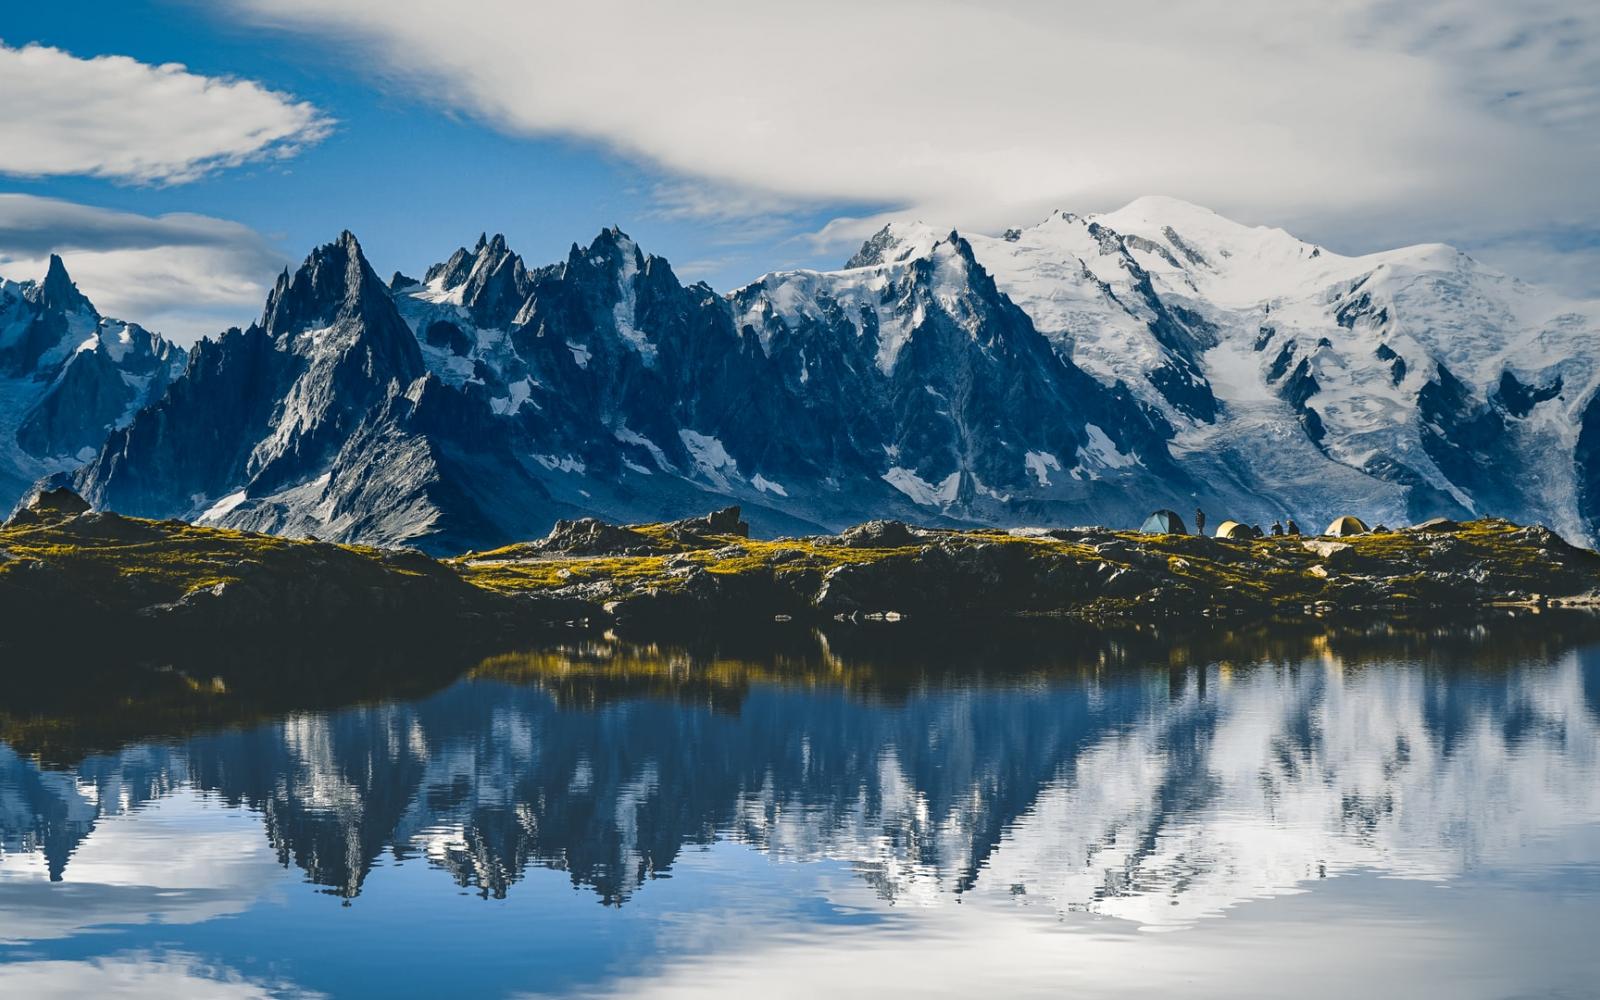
<point x="1164" y="522"/>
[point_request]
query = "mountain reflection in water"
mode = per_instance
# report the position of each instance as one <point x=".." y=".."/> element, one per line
<point x="1128" y="775"/>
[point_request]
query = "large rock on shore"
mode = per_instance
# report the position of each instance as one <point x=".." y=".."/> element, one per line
<point x="48" y="500"/>
<point x="589" y="536"/>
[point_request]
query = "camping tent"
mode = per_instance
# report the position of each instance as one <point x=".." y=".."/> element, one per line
<point x="1346" y="525"/>
<point x="1233" y="529"/>
<point x="1164" y="522"/>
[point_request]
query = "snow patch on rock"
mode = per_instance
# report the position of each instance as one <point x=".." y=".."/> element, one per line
<point x="1041" y="464"/>
<point x="921" y="491"/>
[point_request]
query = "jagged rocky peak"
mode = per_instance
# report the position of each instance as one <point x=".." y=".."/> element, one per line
<point x="895" y="242"/>
<point x="490" y="281"/>
<point x="452" y="272"/>
<point x="498" y="282"/>
<point x="335" y="304"/>
<point x="613" y="248"/>
<point x="334" y="282"/>
<point x="487" y="256"/>
<point x="68" y="376"/>
<point x="58" y="291"/>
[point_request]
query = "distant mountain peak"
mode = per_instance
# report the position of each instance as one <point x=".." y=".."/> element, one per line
<point x="58" y="291"/>
<point x="896" y="241"/>
<point x="333" y="282"/>
<point x="612" y="240"/>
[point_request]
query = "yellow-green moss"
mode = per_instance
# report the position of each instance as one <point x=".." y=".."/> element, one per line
<point x="165" y="560"/>
<point x="162" y="560"/>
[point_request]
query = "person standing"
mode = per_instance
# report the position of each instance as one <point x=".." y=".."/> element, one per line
<point x="1293" y="529"/>
<point x="1199" y="521"/>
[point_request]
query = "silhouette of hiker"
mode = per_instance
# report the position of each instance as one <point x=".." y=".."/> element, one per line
<point x="1199" y="521"/>
<point x="1293" y="529"/>
<point x="1277" y="528"/>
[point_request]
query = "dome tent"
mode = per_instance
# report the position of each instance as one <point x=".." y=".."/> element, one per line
<point x="1346" y="525"/>
<point x="1235" y="530"/>
<point x="1164" y="522"/>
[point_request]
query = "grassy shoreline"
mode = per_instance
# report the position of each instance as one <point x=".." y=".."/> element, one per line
<point x="707" y="571"/>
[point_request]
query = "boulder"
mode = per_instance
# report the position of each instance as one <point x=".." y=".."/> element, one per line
<point x="700" y="532"/>
<point x="587" y="536"/>
<point x="1441" y="524"/>
<point x="719" y="522"/>
<point x="47" y="501"/>
<point x="1325" y="549"/>
<point x="880" y="535"/>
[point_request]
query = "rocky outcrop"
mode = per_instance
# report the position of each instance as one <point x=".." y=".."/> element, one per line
<point x="697" y="532"/>
<point x="880" y="535"/>
<point x="588" y="536"/>
<point x="48" y="500"/>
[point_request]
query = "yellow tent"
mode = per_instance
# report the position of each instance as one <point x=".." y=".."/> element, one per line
<point x="1346" y="525"/>
<point x="1233" y="529"/>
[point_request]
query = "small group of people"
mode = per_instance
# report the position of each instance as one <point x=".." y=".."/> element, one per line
<point x="1285" y="527"/>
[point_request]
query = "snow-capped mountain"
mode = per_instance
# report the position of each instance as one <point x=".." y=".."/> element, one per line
<point x="1403" y="384"/>
<point x="1086" y="369"/>
<point x="67" y="377"/>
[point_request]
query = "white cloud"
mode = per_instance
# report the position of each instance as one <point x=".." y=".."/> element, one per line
<point x="119" y="118"/>
<point x="137" y="976"/>
<point x="181" y="275"/>
<point x="1371" y="120"/>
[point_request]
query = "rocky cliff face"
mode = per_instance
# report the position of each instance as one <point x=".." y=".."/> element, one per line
<point x="68" y="376"/>
<point x="322" y="420"/>
<point x="1087" y="369"/>
<point x="479" y="405"/>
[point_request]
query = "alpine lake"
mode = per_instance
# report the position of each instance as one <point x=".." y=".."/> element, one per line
<point x="1329" y="809"/>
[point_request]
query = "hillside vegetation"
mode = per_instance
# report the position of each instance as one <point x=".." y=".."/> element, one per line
<point x="59" y="560"/>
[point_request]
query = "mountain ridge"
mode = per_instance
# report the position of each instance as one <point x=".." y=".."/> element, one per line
<point x="1086" y="369"/>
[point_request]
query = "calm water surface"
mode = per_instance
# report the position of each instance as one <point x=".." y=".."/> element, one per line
<point x="1373" y="811"/>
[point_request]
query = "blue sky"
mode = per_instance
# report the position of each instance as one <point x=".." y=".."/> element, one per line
<point x="412" y="179"/>
<point x="739" y="138"/>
